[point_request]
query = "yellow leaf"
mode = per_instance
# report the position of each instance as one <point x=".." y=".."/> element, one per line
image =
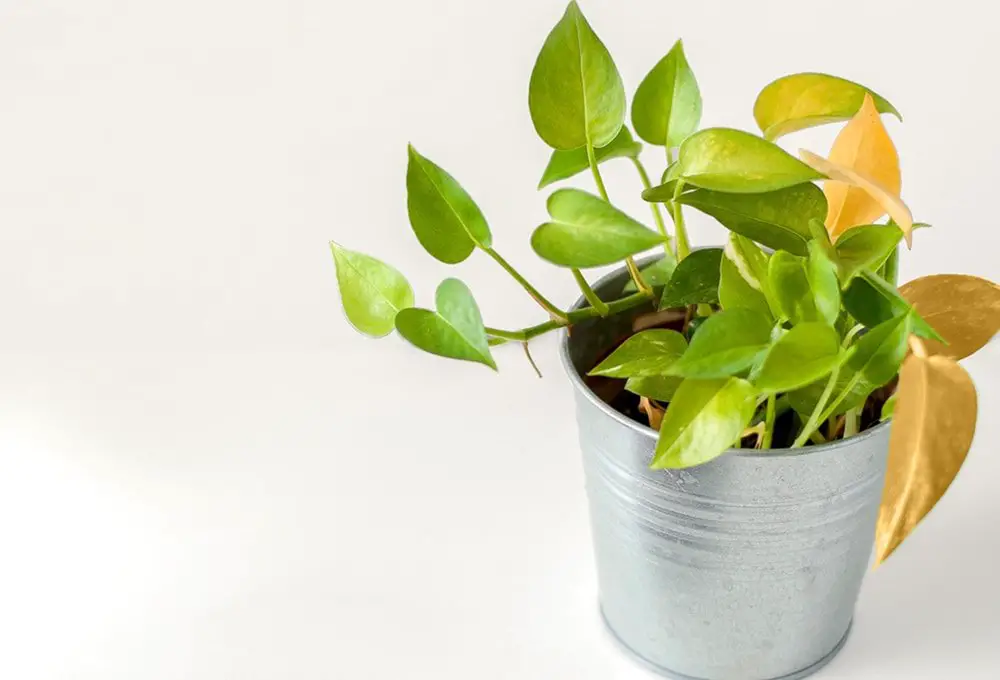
<point x="932" y="429"/>
<point x="889" y="202"/>
<point x="653" y="411"/>
<point x="964" y="310"/>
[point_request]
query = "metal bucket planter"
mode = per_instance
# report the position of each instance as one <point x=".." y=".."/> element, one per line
<point x="745" y="568"/>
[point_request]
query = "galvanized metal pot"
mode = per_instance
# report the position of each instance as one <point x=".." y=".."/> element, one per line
<point x="745" y="568"/>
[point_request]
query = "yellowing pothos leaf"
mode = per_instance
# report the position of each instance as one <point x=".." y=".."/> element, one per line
<point x="933" y="424"/>
<point x="890" y="202"/>
<point x="964" y="310"/>
<point x="863" y="146"/>
<point x="804" y="100"/>
<point x="371" y="291"/>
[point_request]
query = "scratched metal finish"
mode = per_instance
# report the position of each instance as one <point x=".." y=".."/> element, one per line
<point x="745" y="568"/>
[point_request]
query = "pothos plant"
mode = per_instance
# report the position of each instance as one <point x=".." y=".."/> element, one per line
<point x="782" y="337"/>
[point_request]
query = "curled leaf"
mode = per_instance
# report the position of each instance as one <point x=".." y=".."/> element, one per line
<point x="964" y="310"/>
<point x="933" y="424"/>
<point x="653" y="411"/>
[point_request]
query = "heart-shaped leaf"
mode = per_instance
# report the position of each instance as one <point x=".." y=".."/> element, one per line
<point x="934" y="422"/>
<point x="575" y="95"/>
<point x="804" y="289"/>
<point x="777" y="219"/>
<point x="694" y="281"/>
<point x="447" y="222"/>
<point x="565" y="164"/>
<point x="704" y="418"/>
<point x="455" y="330"/>
<point x="644" y="354"/>
<point x="872" y="300"/>
<point x="804" y="354"/>
<point x="865" y="247"/>
<point x="963" y="309"/>
<point x="865" y="147"/>
<point x="667" y="105"/>
<point x="722" y="159"/>
<point x="587" y="231"/>
<point x="804" y="100"/>
<point x="659" y="387"/>
<point x="727" y="343"/>
<point x="371" y="291"/>
<point x="890" y="202"/>
<point x="656" y="274"/>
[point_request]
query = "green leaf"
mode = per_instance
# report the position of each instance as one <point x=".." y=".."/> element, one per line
<point x="565" y="164"/>
<point x="455" y="330"/>
<point x="777" y="219"/>
<point x="659" y="387"/>
<point x="726" y="343"/>
<point x="805" y="100"/>
<point x="667" y="105"/>
<point x="722" y="159"/>
<point x="447" y="222"/>
<point x="791" y="287"/>
<point x="822" y="238"/>
<point x="587" y="231"/>
<point x="865" y="247"/>
<point x="371" y="291"/>
<point x="743" y="277"/>
<point x="872" y="300"/>
<point x="887" y="408"/>
<point x="694" y="281"/>
<point x="803" y="355"/>
<point x="822" y="274"/>
<point x="803" y="400"/>
<point x="575" y="94"/>
<point x="704" y="418"/>
<point x="644" y="354"/>
<point x="656" y="274"/>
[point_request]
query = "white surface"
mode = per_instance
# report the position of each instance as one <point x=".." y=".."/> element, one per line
<point x="205" y="474"/>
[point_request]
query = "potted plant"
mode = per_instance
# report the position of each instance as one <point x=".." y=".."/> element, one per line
<point x="742" y="408"/>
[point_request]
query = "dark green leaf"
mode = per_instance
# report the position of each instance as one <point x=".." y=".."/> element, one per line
<point x="695" y="280"/>
<point x="722" y="159"/>
<point x="575" y="95"/>
<point x="656" y="274"/>
<point x="704" y="418"/>
<point x="872" y="300"/>
<point x="447" y="222"/>
<point x="455" y="330"/>
<point x="371" y="291"/>
<point x="777" y="219"/>
<point x="659" y="387"/>
<point x="644" y="354"/>
<point x="865" y="247"/>
<point x="667" y="105"/>
<point x="727" y="343"/>
<point x="804" y="354"/>
<point x="565" y="164"/>
<point x="587" y="231"/>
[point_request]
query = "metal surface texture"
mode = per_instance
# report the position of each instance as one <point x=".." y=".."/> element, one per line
<point x="745" y="568"/>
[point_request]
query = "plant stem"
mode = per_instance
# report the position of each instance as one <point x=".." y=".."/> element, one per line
<point x="768" y="423"/>
<point x="588" y="292"/>
<point x="683" y="247"/>
<point x="525" y="334"/>
<point x="633" y="270"/>
<point x="532" y="291"/>
<point x="670" y="155"/>
<point x="654" y="207"/>
<point x="852" y="423"/>
<point x="814" y="417"/>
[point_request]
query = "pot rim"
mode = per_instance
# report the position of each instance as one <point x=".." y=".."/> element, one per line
<point x="652" y="435"/>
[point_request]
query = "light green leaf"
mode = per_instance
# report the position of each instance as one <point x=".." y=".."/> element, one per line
<point x="805" y="100"/>
<point x="793" y="294"/>
<point x="777" y="219"/>
<point x="659" y="387"/>
<point x="371" y="291"/>
<point x="872" y="300"/>
<point x="694" y="281"/>
<point x="644" y="354"/>
<point x="656" y="274"/>
<point x="575" y="94"/>
<point x="743" y="277"/>
<point x="667" y="105"/>
<point x="822" y="274"/>
<point x="722" y="159"/>
<point x="804" y="354"/>
<point x="704" y="418"/>
<point x="727" y="343"/>
<point x="587" y="231"/>
<point x="565" y="164"/>
<point x="455" y="330"/>
<point x="447" y="222"/>
<point x="887" y="408"/>
<point x="866" y="247"/>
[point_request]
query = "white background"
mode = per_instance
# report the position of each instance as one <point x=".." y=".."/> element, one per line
<point x="206" y="474"/>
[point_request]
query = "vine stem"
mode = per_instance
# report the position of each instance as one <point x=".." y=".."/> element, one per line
<point x="814" y="418"/>
<point x="683" y="246"/>
<point x="654" y="207"/>
<point x="532" y="291"/>
<point x="768" y="423"/>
